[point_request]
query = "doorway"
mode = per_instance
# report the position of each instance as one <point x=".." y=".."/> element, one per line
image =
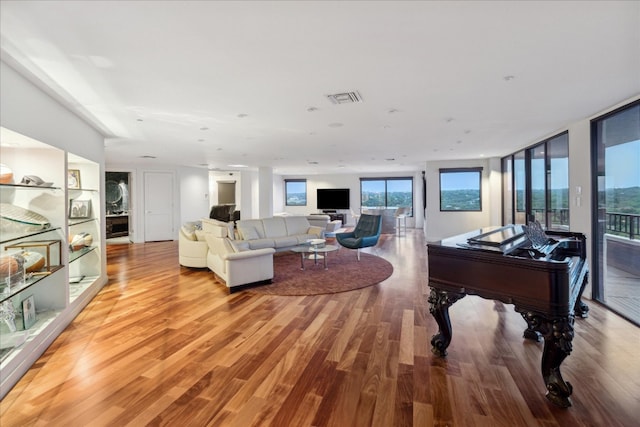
<point x="616" y="169"/>
<point x="158" y="206"/>
<point x="117" y="205"/>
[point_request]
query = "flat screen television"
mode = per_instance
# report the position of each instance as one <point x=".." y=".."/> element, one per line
<point x="332" y="198"/>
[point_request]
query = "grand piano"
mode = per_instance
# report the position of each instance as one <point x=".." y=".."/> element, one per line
<point x="542" y="274"/>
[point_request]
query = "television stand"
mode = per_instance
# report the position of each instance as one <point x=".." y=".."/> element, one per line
<point x="336" y="216"/>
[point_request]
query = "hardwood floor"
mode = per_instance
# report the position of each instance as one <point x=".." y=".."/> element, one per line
<point x="167" y="345"/>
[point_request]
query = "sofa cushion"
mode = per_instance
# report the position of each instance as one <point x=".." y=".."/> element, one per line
<point x="240" y="246"/>
<point x="188" y="232"/>
<point x="274" y="227"/>
<point x="296" y="225"/>
<point x="261" y="243"/>
<point x="248" y="233"/>
<point x="285" y="241"/>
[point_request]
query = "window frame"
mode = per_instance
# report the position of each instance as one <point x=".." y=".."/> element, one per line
<point x="386" y="192"/>
<point x="286" y="191"/>
<point x="445" y="171"/>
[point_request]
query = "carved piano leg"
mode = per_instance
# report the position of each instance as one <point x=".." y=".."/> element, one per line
<point x="581" y="309"/>
<point x="558" y="337"/>
<point x="439" y="303"/>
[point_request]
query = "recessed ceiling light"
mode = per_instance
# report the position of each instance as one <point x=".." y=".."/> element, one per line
<point x="242" y="115"/>
<point x="312" y="109"/>
<point x="393" y="111"/>
<point x="335" y="125"/>
<point x="238" y="166"/>
<point x="449" y="119"/>
<point x="391" y="159"/>
<point x="204" y="128"/>
<point x="139" y="120"/>
<point x="312" y="162"/>
<point x="201" y="140"/>
<point x="148" y="157"/>
<point x="509" y="78"/>
<point x="219" y="149"/>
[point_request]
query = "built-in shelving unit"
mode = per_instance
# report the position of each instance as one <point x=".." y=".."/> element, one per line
<point x="61" y="224"/>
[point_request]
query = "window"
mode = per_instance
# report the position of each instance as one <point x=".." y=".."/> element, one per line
<point x="386" y="193"/>
<point x="615" y="148"/>
<point x="295" y="192"/>
<point x="540" y="177"/>
<point x="460" y="189"/>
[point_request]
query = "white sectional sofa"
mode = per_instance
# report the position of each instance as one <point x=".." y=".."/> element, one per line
<point x="232" y="261"/>
<point x="280" y="232"/>
<point x="244" y="256"/>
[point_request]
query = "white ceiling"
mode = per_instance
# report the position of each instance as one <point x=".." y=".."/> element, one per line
<point x="211" y="84"/>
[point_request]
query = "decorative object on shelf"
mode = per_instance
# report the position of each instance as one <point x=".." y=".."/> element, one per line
<point x="79" y="241"/>
<point x="6" y="174"/>
<point x="29" y="311"/>
<point x="79" y="208"/>
<point x="36" y="260"/>
<point x="16" y="219"/>
<point x="11" y="270"/>
<point x="8" y="314"/>
<point x="73" y="178"/>
<point x="35" y="181"/>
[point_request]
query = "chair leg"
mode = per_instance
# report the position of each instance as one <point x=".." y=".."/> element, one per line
<point x="358" y="253"/>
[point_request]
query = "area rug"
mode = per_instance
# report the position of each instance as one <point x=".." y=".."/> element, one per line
<point x="345" y="273"/>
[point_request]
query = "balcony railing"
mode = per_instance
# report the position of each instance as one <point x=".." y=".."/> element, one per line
<point x="621" y="224"/>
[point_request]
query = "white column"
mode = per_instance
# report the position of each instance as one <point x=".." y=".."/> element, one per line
<point x="265" y="188"/>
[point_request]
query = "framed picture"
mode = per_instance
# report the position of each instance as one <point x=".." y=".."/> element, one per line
<point x="29" y="311"/>
<point x="73" y="178"/>
<point x="79" y="208"/>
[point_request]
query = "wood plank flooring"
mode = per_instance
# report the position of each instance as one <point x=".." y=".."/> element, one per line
<point x="167" y="345"/>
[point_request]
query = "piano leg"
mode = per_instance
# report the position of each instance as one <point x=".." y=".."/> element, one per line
<point x="558" y="337"/>
<point x="581" y="309"/>
<point x="439" y="303"/>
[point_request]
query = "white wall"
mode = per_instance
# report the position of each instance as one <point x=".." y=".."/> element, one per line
<point x="194" y="193"/>
<point x="445" y="224"/>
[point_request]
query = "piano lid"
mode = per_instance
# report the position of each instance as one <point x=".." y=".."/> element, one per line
<point x="498" y="237"/>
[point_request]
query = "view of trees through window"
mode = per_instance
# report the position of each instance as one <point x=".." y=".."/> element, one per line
<point x="295" y="192"/>
<point x="382" y="193"/>
<point x="460" y="189"/>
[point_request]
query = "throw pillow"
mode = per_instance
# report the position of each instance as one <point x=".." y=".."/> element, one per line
<point x="189" y="232"/>
<point x="248" y="233"/>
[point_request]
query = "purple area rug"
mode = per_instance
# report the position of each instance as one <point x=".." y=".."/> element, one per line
<point x="345" y="273"/>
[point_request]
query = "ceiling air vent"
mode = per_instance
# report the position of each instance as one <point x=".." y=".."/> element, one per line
<point x="345" y="97"/>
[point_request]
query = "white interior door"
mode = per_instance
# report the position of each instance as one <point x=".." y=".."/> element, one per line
<point x="158" y="206"/>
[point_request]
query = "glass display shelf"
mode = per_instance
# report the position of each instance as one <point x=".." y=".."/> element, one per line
<point x="13" y="342"/>
<point x="29" y="187"/>
<point x="31" y="279"/>
<point x="81" y="221"/>
<point x="74" y="255"/>
<point x="77" y="285"/>
<point x="12" y="237"/>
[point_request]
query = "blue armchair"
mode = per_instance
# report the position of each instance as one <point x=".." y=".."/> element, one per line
<point x="366" y="233"/>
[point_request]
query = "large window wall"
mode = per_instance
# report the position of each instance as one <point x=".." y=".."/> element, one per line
<point x="536" y="184"/>
<point x="386" y="193"/>
<point x="616" y="210"/>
